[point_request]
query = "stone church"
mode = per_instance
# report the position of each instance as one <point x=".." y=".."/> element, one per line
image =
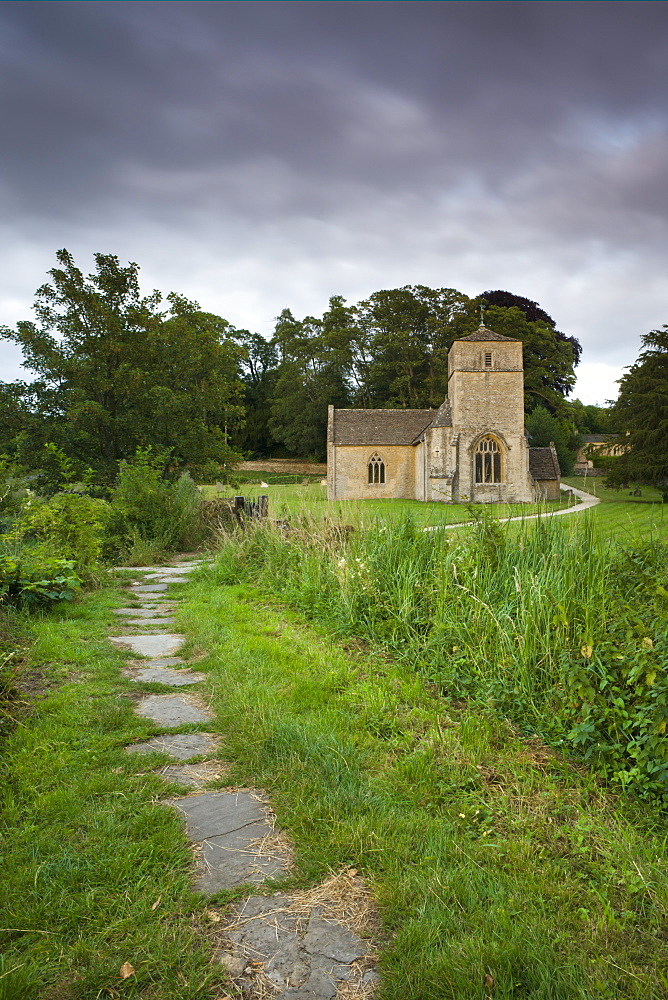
<point x="473" y="448"/>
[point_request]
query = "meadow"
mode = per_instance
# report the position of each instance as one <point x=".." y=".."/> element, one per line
<point x="288" y="500"/>
<point x="623" y="515"/>
<point x="620" y="514"/>
<point x="473" y="719"/>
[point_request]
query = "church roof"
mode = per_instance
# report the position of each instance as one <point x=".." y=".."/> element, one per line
<point x="543" y="463"/>
<point x="443" y="416"/>
<point x="484" y="333"/>
<point x="379" y="427"/>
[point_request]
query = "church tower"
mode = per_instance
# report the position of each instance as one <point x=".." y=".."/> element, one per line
<point x="489" y="450"/>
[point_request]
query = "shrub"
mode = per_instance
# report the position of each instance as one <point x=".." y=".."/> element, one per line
<point x="152" y="516"/>
<point x="34" y="577"/>
<point x="68" y="526"/>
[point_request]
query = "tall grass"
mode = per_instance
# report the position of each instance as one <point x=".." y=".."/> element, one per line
<point x="553" y="626"/>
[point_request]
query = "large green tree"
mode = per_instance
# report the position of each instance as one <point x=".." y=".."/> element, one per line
<point x="391" y="350"/>
<point x="549" y="356"/>
<point x="642" y="410"/>
<point x="259" y="371"/>
<point x="309" y="377"/>
<point x="545" y="429"/>
<point x="409" y="332"/>
<point x="117" y="370"/>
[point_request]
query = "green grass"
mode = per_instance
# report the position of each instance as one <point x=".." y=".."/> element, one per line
<point x="619" y="514"/>
<point x="622" y="515"/>
<point x="489" y="854"/>
<point x="311" y="501"/>
<point x="88" y="850"/>
<point x="382" y="727"/>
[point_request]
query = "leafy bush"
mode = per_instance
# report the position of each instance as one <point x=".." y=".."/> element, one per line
<point x="14" y="489"/>
<point x="151" y="515"/>
<point x="68" y="526"/>
<point x="34" y="577"/>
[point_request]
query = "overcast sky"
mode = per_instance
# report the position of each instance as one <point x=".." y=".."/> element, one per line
<point x="255" y="156"/>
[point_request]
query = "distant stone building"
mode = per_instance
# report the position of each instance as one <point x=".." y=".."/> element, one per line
<point x="597" y="445"/>
<point x="474" y="447"/>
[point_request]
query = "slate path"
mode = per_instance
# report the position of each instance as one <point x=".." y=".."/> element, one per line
<point x="271" y="947"/>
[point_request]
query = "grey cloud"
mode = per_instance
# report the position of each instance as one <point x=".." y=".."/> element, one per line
<point x="313" y="148"/>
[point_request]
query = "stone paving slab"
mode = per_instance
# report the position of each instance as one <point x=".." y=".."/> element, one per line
<point x="148" y="588"/>
<point x="303" y="956"/>
<point x="213" y="814"/>
<point x="164" y="661"/>
<point x="149" y="622"/>
<point x="170" y="579"/>
<point x="195" y="775"/>
<point x="161" y="570"/>
<point x="235" y="858"/>
<point x="170" y="711"/>
<point x="150" y="645"/>
<point x="147" y="599"/>
<point x="228" y="826"/>
<point x="149" y="612"/>
<point x="164" y="675"/>
<point x="181" y="746"/>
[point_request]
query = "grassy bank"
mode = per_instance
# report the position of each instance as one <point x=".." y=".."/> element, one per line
<point x="501" y="869"/>
<point x="620" y="514"/>
<point x="551" y="623"/>
<point x="458" y="715"/>
<point x="95" y="873"/>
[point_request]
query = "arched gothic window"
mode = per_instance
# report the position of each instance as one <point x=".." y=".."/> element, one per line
<point x="488" y="461"/>
<point x="376" y="469"/>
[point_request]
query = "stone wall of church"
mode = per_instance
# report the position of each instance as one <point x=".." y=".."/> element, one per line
<point x="546" y="489"/>
<point x="485" y="400"/>
<point x="348" y="476"/>
<point x="489" y="401"/>
<point x="516" y="486"/>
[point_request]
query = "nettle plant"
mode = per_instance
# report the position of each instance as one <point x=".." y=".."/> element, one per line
<point x="69" y="525"/>
<point x="34" y="578"/>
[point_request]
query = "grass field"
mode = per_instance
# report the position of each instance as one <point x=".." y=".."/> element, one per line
<point x="500" y="869"/>
<point x="619" y="514"/>
<point x="291" y="501"/>
<point x="387" y="688"/>
<point x="622" y="515"/>
<point x="94" y="871"/>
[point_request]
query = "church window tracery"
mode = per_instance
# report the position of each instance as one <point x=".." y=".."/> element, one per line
<point x="488" y="461"/>
<point x="376" y="469"/>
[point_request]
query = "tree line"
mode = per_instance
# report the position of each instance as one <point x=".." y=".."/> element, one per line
<point x="116" y="371"/>
<point x="391" y="350"/>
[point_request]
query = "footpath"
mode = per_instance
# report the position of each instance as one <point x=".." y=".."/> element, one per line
<point x="288" y="946"/>
<point x="585" y="502"/>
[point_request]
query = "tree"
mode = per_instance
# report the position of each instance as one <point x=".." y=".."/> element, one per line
<point x="642" y="410"/>
<point x="117" y="372"/>
<point x="588" y="418"/>
<point x="309" y="377"/>
<point x="409" y="332"/>
<point x="389" y="350"/>
<point x="549" y="356"/>
<point x="533" y="313"/>
<point x="259" y="364"/>
<point x="543" y="428"/>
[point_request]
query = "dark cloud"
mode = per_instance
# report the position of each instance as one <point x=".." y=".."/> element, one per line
<point x="304" y="149"/>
